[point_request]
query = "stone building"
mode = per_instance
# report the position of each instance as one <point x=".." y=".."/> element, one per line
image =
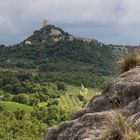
<point x="46" y="23"/>
<point x="27" y="42"/>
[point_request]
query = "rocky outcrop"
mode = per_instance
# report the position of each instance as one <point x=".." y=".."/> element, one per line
<point x="123" y="95"/>
<point x="55" y="32"/>
<point x="87" y="127"/>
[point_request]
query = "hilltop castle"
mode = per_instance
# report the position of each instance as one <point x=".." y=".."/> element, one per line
<point x="46" y="23"/>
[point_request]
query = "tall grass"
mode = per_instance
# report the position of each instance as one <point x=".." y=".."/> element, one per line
<point x="119" y="128"/>
<point x="130" y="60"/>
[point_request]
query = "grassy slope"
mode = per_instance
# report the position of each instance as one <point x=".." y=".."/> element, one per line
<point x="70" y="101"/>
<point x="12" y="106"/>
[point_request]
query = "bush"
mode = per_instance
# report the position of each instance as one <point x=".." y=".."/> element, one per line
<point x="34" y="101"/>
<point x="7" y="97"/>
<point x="130" y="60"/>
<point x="40" y="113"/>
<point x="2" y="107"/>
<point x="9" y="79"/>
<point x="21" y="98"/>
<point x="61" y="86"/>
<point x="17" y="88"/>
<point x="8" y="88"/>
<point x="119" y="128"/>
<point x="53" y="102"/>
<point x="19" y="114"/>
<point x="80" y="97"/>
<point x="20" y="64"/>
<point x="138" y="137"/>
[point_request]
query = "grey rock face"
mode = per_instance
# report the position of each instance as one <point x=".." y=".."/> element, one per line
<point x="87" y="127"/>
<point x="122" y="95"/>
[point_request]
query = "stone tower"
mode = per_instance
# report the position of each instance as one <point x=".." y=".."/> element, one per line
<point x="46" y="23"/>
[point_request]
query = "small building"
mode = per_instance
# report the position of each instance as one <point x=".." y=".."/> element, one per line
<point x="27" y="42"/>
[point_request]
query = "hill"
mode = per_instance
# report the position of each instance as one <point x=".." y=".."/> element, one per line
<point x="62" y="57"/>
<point x="47" y="76"/>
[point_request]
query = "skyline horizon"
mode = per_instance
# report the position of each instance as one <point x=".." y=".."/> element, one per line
<point x="110" y="21"/>
<point x="73" y="34"/>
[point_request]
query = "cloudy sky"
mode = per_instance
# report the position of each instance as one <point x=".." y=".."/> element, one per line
<point x="109" y="21"/>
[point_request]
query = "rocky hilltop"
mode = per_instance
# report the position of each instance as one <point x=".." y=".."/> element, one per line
<point x="121" y="95"/>
<point x="62" y="57"/>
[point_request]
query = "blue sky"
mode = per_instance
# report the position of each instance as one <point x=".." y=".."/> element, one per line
<point x="109" y="21"/>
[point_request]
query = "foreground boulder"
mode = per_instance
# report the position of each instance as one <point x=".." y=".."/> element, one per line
<point x="122" y="95"/>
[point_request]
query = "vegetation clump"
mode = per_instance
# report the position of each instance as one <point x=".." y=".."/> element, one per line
<point x="130" y="60"/>
<point x="118" y="128"/>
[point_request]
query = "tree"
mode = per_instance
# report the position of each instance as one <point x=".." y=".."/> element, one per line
<point x="80" y="97"/>
<point x="2" y="107"/>
<point x="53" y="102"/>
<point x="17" y="88"/>
<point x="19" y="114"/>
<point x="7" y="97"/>
<point x="9" y="79"/>
<point x="22" y="76"/>
<point x="8" y="88"/>
<point x="40" y="113"/>
<point x="61" y="86"/>
<point x="21" y="98"/>
<point x="20" y="64"/>
<point x="34" y="101"/>
<point x="53" y="115"/>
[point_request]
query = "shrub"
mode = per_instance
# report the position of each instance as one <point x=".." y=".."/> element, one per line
<point x="2" y="107"/>
<point x="17" y="88"/>
<point x="9" y="79"/>
<point x="34" y="101"/>
<point x="138" y="137"/>
<point x="7" y="97"/>
<point x="80" y="97"/>
<point x="19" y="114"/>
<point x="21" y="98"/>
<point x="8" y="88"/>
<point x="41" y="113"/>
<point x="119" y="128"/>
<point x="130" y="60"/>
<point x="20" y="64"/>
<point x="53" y="102"/>
<point x="61" y="86"/>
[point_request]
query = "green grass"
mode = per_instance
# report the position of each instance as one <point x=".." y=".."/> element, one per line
<point x="138" y="137"/>
<point x="12" y="106"/>
<point x="72" y="90"/>
<point x="70" y="101"/>
<point x="91" y="92"/>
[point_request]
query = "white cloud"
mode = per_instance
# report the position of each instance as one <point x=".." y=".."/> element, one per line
<point x="114" y="21"/>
